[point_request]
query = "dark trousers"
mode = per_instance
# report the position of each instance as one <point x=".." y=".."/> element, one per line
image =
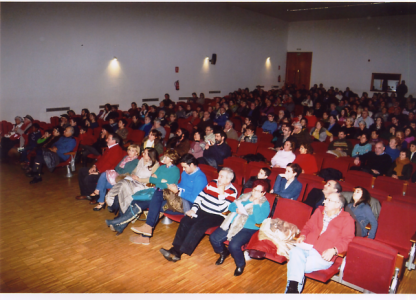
<point x="192" y="230"/>
<point x="87" y="182"/>
<point x="219" y="236"/>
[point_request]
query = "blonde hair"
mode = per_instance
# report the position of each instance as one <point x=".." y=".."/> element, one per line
<point x="134" y="147"/>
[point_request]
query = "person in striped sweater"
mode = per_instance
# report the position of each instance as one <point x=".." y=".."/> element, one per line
<point x="206" y="212"/>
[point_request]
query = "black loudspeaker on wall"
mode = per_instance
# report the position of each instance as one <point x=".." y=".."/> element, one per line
<point x="213" y="60"/>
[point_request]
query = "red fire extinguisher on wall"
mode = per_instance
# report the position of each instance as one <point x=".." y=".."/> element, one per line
<point x="177" y="85"/>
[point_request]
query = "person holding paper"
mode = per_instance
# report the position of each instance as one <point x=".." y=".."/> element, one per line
<point x="329" y="231"/>
<point x="206" y="212"/>
<point x="238" y="227"/>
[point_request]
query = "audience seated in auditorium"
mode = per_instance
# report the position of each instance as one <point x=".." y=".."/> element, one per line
<point x="393" y="148"/>
<point x="287" y="136"/>
<point x="327" y="240"/>
<point x="401" y="168"/>
<point x="206" y="212"/>
<point x="316" y="197"/>
<point x="269" y="126"/>
<point x="230" y="131"/>
<point x="263" y="174"/>
<point x="301" y="135"/>
<point x="197" y="145"/>
<point x="153" y="140"/>
<point x="97" y="147"/>
<point x="53" y="156"/>
<point x="33" y="137"/>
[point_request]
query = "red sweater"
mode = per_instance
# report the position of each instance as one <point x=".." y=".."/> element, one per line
<point x="339" y="233"/>
<point x="110" y="159"/>
<point x="307" y="162"/>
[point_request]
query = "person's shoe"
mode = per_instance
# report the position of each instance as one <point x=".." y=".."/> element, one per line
<point x="99" y="207"/>
<point x="93" y="201"/>
<point x="169" y="255"/>
<point x="139" y="240"/>
<point x="83" y="197"/>
<point x="292" y="288"/>
<point x="238" y="271"/>
<point x="144" y="229"/>
<point x="36" y="180"/>
<point x="223" y="255"/>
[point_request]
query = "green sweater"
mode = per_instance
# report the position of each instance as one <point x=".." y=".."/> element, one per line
<point x="171" y="175"/>
<point x="128" y="167"/>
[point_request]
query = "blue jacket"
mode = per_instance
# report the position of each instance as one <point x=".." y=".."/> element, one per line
<point x="64" y="145"/>
<point x="269" y="127"/>
<point x="364" y="215"/>
<point x="394" y="153"/>
<point x="220" y="120"/>
<point x="146" y="128"/>
<point x="292" y="191"/>
<point x="192" y="184"/>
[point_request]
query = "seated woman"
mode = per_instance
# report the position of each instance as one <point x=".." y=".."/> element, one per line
<point x="269" y="126"/>
<point x="153" y="141"/>
<point x="164" y="175"/>
<point x="401" y="168"/>
<point x="248" y="136"/>
<point x="197" y="145"/>
<point x="108" y="178"/>
<point x="239" y="226"/>
<point x="287" y="185"/>
<point x="402" y="144"/>
<point x="120" y="197"/>
<point x="306" y="160"/>
<point x="92" y="121"/>
<point x="361" y="211"/>
<point x="122" y="130"/>
<point x="409" y="135"/>
<point x="362" y="129"/>
<point x="285" y="156"/>
<point x="391" y="148"/>
<point x="349" y="128"/>
<point x="319" y="132"/>
<point x="135" y="122"/>
<point x="362" y="147"/>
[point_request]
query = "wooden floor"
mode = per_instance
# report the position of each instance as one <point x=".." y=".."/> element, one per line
<point x="52" y="243"/>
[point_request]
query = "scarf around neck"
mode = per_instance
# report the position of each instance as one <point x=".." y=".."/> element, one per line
<point x="400" y="164"/>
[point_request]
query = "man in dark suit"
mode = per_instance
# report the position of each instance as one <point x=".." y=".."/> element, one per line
<point x="88" y="178"/>
<point x="333" y="126"/>
<point x="287" y="136"/>
<point x="316" y="196"/>
<point x="413" y="152"/>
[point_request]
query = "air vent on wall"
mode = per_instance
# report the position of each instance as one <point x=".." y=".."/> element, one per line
<point x="184" y="98"/>
<point x="150" y="100"/>
<point x="260" y="86"/>
<point x="275" y="86"/>
<point x="57" y="109"/>
<point x="214" y="92"/>
<point x="102" y="106"/>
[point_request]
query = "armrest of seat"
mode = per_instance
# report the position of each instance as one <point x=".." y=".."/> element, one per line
<point x="368" y="227"/>
<point x="342" y="254"/>
<point x="413" y="238"/>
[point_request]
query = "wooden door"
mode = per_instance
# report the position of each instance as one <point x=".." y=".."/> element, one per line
<point x="298" y="68"/>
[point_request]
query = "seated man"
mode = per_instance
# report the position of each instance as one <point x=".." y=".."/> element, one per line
<point x="341" y="144"/>
<point x="302" y="136"/>
<point x="316" y="196"/>
<point x="214" y="154"/>
<point x="209" y="135"/>
<point x="230" y="131"/>
<point x="329" y="231"/>
<point x="206" y="212"/>
<point x="157" y="124"/>
<point x="88" y="178"/>
<point x="376" y="163"/>
<point x="55" y="155"/>
<point x="286" y="136"/>
<point x="180" y="142"/>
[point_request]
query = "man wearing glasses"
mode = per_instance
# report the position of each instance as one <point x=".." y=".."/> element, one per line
<point x="287" y="136"/>
<point x="328" y="232"/>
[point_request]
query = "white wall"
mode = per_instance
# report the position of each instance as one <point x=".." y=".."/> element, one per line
<point x="44" y="65"/>
<point x="341" y="50"/>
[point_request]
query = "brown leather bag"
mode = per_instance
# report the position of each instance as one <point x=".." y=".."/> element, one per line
<point x="174" y="202"/>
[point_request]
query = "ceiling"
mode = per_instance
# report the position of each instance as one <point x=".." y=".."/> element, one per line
<point x="311" y="11"/>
